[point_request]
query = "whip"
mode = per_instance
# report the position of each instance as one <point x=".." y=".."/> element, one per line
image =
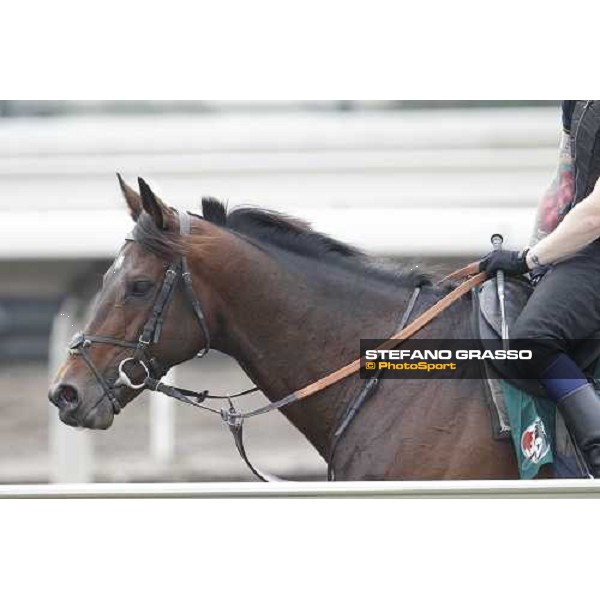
<point x="497" y="241"/>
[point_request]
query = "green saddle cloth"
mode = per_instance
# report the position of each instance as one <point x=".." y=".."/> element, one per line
<point x="532" y="427"/>
<point x="539" y="434"/>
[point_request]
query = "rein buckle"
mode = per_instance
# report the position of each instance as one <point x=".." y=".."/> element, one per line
<point x="143" y="341"/>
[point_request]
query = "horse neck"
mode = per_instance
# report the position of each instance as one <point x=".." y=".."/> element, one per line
<point x="289" y="322"/>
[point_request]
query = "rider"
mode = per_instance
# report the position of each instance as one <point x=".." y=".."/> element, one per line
<point x="564" y="258"/>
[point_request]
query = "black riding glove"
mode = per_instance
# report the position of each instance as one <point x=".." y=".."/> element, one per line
<point x="512" y="262"/>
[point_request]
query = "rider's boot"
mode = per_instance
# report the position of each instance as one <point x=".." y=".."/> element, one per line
<point x="581" y="411"/>
<point x="579" y="406"/>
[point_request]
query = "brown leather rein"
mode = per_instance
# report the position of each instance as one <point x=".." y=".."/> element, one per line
<point x="474" y="279"/>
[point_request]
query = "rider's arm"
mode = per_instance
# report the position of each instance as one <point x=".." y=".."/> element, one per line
<point x="580" y="227"/>
<point x="557" y="196"/>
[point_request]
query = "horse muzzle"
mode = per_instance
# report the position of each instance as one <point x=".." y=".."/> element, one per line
<point x="74" y="411"/>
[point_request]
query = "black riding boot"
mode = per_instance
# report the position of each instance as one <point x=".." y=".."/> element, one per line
<point x="581" y="411"/>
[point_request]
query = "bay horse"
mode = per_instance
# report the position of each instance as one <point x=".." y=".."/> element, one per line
<point x="289" y="305"/>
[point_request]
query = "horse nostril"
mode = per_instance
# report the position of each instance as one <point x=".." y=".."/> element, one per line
<point x="65" y="395"/>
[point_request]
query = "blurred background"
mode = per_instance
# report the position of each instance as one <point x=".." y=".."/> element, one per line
<point x="424" y="183"/>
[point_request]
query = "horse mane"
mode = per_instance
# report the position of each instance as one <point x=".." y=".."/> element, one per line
<point x="271" y="229"/>
<point x="275" y="229"/>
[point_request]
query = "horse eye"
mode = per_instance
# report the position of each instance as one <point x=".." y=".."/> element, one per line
<point x="141" y="288"/>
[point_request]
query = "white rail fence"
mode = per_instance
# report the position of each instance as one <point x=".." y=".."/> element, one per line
<point x="373" y="179"/>
<point x="443" y="489"/>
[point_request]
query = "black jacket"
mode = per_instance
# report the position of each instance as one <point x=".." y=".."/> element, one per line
<point x="581" y="120"/>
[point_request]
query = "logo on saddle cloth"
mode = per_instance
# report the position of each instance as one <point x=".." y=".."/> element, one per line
<point x="534" y="441"/>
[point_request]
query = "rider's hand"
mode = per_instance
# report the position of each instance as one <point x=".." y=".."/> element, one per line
<point x="512" y="262"/>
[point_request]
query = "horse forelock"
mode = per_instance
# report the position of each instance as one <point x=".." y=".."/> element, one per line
<point x="165" y="243"/>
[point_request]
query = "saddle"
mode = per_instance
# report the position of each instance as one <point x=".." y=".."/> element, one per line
<point x="488" y="326"/>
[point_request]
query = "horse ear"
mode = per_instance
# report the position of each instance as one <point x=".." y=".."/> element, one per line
<point x="153" y="205"/>
<point x="133" y="199"/>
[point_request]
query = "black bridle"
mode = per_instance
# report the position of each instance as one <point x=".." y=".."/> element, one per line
<point x="151" y="368"/>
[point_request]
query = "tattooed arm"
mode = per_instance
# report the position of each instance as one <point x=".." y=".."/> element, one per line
<point x="580" y="227"/>
<point x="558" y="196"/>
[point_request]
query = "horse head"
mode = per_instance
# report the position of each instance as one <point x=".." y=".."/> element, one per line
<point x="146" y="318"/>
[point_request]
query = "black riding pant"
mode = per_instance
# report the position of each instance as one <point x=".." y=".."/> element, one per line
<point x="563" y="311"/>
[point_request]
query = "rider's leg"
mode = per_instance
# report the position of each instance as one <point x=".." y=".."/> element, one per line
<point x="563" y="310"/>
<point x="578" y="404"/>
